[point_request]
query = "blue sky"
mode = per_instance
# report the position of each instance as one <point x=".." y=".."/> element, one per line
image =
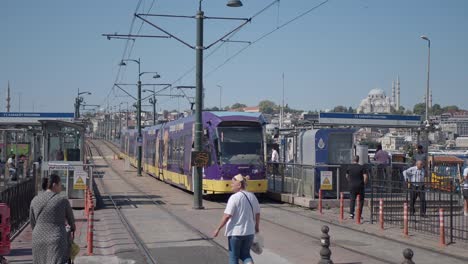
<point x="332" y="56"/>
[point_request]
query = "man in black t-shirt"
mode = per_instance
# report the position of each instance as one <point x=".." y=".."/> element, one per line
<point x="357" y="177"/>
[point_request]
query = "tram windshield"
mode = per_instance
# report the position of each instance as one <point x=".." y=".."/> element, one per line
<point x="241" y="145"/>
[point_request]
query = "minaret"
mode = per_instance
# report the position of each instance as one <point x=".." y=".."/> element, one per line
<point x="430" y="99"/>
<point x="8" y="98"/>
<point x="397" y="103"/>
<point x="393" y="102"/>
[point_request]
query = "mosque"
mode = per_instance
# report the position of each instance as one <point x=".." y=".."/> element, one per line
<point x="377" y="102"/>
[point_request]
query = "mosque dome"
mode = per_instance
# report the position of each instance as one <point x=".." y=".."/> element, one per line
<point x="377" y="92"/>
<point x="375" y="102"/>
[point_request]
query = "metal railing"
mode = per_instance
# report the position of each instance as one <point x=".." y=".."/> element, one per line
<point x="18" y="197"/>
<point x="423" y="202"/>
<point x="304" y="180"/>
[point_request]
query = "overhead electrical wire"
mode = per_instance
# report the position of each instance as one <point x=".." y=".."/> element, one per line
<point x="266" y="35"/>
<point x="278" y="27"/>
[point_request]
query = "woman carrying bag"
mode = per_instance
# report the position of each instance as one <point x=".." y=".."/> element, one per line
<point x="242" y="216"/>
<point x="48" y="214"/>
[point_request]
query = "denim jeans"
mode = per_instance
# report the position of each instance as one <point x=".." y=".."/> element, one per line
<point x="239" y="248"/>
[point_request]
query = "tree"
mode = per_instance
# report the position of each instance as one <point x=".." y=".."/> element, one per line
<point x="212" y="109"/>
<point x="450" y="108"/>
<point x="419" y="109"/>
<point x="340" y="109"/>
<point x="238" y="105"/>
<point x="400" y="111"/>
<point x="408" y="112"/>
<point x="351" y="110"/>
<point x="267" y="107"/>
<point x="436" y="109"/>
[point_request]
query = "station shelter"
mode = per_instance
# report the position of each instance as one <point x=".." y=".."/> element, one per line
<point x="63" y="154"/>
<point x="40" y="144"/>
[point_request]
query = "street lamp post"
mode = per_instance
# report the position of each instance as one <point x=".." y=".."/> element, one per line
<point x="140" y="137"/>
<point x="78" y="101"/>
<point x="153" y="102"/>
<point x="199" y="48"/>
<point x="427" y="122"/>
<point x="220" y="95"/>
<point x="428" y="72"/>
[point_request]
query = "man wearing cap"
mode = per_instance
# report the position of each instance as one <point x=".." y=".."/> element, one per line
<point x="242" y="220"/>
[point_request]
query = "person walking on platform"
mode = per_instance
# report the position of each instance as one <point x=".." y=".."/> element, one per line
<point x="414" y="177"/>
<point x="275" y="160"/>
<point x="357" y="177"/>
<point x="465" y="191"/>
<point x="12" y="167"/>
<point x="420" y="155"/>
<point x="381" y="156"/>
<point x="48" y="212"/>
<point x="242" y="216"/>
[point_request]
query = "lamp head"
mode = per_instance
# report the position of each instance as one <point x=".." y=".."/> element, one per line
<point x="425" y="37"/>
<point x="122" y="63"/>
<point x="234" y="3"/>
<point x="156" y="76"/>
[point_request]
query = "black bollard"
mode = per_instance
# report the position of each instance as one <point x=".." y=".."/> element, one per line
<point x="325" y="252"/>
<point x="408" y="255"/>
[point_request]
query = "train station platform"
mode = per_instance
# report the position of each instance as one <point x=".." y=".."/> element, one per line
<point x="161" y="219"/>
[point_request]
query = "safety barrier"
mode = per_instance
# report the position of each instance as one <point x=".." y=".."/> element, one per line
<point x="359" y="213"/>
<point x="341" y="206"/>
<point x="416" y="208"/>
<point x="90" y="214"/>
<point x="320" y="207"/>
<point x="4" y="229"/>
<point x="18" y="197"/>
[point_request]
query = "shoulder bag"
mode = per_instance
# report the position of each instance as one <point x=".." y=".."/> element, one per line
<point x="257" y="245"/>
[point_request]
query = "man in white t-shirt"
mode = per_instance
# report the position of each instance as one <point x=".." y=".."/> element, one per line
<point x="242" y="220"/>
<point x="465" y="190"/>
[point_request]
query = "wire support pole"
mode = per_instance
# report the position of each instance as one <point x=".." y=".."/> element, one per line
<point x="198" y="177"/>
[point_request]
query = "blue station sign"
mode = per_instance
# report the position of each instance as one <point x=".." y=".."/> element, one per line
<point x="384" y="120"/>
<point x="32" y="118"/>
<point x="36" y="115"/>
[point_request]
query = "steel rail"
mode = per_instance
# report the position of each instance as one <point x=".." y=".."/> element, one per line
<point x="123" y="219"/>
<point x="169" y="212"/>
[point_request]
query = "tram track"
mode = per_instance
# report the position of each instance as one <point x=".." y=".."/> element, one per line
<point x="156" y="203"/>
<point x="113" y="149"/>
<point x="144" y="250"/>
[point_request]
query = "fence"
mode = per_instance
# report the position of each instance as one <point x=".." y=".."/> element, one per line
<point x="19" y="197"/>
<point x="424" y="201"/>
<point x="304" y="180"/>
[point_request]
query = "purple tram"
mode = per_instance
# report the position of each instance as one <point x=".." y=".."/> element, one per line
<point x="234" y="140"/>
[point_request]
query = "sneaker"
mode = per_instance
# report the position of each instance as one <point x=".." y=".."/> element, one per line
<point x="351" y="216"/>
